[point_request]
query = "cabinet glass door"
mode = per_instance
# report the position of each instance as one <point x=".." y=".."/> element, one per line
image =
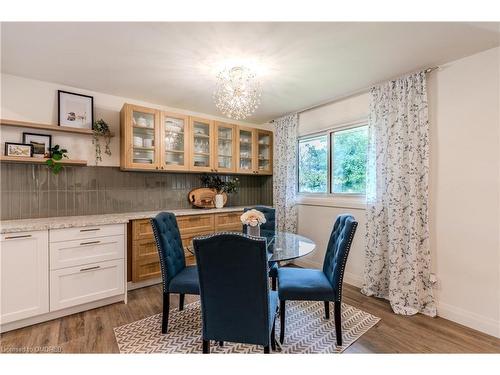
<point x="175" y="151"/>
<point x="264" y="152"/>
<point x="245" y="151"/>
<point x="224" y="144"/>
<point x="201" y="145"/>
<point x="144" y="150"/>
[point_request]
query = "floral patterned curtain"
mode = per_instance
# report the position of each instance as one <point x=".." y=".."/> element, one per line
<point x="285" y="172"/>
<point x="397" y="265"/>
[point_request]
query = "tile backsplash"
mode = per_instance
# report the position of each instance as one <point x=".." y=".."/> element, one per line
<point x="32" y="191"/>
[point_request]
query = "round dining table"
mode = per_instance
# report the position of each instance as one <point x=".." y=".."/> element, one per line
<point x="283" y="246"/>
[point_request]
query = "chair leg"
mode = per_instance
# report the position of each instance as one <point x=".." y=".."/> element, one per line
<point x="266" y="349"/>
<point x="338" y="322"/>
<point x="273" y="283"/>
<point x="166" y="308"/>
<point x="181" y="302"/>
<point x="273" y="338"/>
<point x="206" y="347"/>
<point x="327" y="310"/>
<point x="221" y="343"/>
<point x="282" y="321"/>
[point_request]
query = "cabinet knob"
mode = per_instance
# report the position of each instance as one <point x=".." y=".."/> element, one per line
<point x="156" y="167"/>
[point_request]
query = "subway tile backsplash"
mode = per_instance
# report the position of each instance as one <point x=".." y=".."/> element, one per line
<point x="32" y="191"/>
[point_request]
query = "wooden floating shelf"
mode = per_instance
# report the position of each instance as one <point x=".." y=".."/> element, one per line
<point x="26" y="160"/>
<point x="54" y="128"/>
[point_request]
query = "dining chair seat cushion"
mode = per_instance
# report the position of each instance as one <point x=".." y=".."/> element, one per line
<point x="273" y="307"/>
<point x="273" y="269"/>
<point x="185" y="282"/>
<point x="301" y="284"/>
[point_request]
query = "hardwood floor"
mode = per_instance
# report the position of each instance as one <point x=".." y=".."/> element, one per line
<point x="92" y="331"/>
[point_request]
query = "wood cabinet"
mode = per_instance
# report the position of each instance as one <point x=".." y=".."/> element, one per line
<point x="254" y="151"/>
<point x="163" y="141"/>
<point x="144" y="255"/>
<point x="174" y="133"/>
<point x="24" y="268"/>
<point x="140" y="134"/>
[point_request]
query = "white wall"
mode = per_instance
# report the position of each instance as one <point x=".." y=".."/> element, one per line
<point x="464" y="190"/>
<point x="36" y="101"/>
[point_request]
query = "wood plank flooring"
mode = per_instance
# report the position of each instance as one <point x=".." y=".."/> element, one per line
<point x="92" y="331"/>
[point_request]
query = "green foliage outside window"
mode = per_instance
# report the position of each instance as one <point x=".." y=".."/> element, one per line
<point x="313" y="158"/>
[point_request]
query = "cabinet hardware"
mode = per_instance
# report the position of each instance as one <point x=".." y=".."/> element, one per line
<point x="90" y="268"/>
<point x="89" y="243"/>
<point x="20" y="236"/>
<point x="89" y="230"/>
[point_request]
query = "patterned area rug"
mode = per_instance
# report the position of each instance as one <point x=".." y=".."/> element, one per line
<point x="307" y="331"/>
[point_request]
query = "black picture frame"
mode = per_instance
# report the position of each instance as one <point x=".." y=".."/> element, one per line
<point x="25" y="141"/>
<point x="17" y="144"/>
<point x="91" y="98"/>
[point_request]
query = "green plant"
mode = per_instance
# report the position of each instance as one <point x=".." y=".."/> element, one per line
<point x="57" y="154"/>
<point x="221" y="185"/>
<point x="101" y="129"/>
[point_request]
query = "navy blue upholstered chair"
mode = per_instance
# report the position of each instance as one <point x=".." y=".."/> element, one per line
<point x="301" y="284"/>
<point x="236" y="303"/>
<point x="268" y="229"/>
<point x="176" y="277"/>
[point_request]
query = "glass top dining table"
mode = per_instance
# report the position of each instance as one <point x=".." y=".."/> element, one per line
<point x="284" y="246"/>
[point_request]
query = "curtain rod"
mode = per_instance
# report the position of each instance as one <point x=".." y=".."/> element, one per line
<point x="357" y="92"/>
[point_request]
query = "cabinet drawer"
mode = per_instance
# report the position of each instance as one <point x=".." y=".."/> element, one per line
<point x="195" y="223"/>
<point x="146" y="269"/>
<point x="142" y="229"/>
<point x="80" y="233"/>
<point x="80" y="252"/>
<point x="228" y="222"/>
<point x="76" y="285"/>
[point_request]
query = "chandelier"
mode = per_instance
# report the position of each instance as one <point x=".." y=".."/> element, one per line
<point x="237" y="92"/>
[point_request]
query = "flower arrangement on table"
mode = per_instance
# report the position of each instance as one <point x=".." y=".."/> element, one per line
<point x="253" y="219"/>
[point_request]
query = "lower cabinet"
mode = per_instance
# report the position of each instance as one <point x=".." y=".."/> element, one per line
<point x="77" y="285"/>
<point x="24" y="268"/>
<point x="144" y="255"/>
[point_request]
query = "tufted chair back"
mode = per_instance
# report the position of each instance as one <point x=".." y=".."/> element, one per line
<point x="338" y="250"/>
<point x="269" y="228"/>
<point x="233" y="287"/>
<point x="169" y="245"/>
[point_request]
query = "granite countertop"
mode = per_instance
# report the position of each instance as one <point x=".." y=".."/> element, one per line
<point x="25" y="225"/>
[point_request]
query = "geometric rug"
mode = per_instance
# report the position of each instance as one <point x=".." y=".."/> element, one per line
<point x="307" y="331"/>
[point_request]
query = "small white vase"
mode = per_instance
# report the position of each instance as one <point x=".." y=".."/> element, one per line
<point x="253" y="231"/>
<point x="219" y="201"/>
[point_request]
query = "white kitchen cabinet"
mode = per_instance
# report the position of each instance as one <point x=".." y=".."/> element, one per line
<point x="24" y="267"/>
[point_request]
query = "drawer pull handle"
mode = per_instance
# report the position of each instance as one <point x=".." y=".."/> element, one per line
<point x="89" y="243"/>
<point x="21" y="236"/>
<point x="90" y="268"/>
<point x="89" y="230"/>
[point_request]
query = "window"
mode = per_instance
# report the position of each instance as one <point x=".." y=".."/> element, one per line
<point x="334" y="162"/>
<point x="349" y="160"/>
<point x="313" y="165"/>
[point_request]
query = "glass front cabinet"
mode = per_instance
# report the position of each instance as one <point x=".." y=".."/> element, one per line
<point x="225" y="148"/>
<point x="140" y="129"/>
<point x="174" y="132"/>
<point x="165" y="141"/>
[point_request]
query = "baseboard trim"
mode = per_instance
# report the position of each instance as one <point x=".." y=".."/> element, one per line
<point x="353" y="279"/>
<point x="142" y="284"/>
<point x="469" y="319"/>
<point x="60" y="313"/>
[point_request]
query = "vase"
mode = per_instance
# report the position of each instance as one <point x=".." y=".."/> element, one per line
<point x="253" y="231"/>
<point x="219" y="201"/>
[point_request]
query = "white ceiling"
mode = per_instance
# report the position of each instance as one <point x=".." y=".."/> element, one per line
<point x="174" y="64"/>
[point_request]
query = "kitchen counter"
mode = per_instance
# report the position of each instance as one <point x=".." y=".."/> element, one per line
<point x="25" y="225"/>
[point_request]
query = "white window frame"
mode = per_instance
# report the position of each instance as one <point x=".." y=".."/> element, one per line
<point x="350" y="198"/>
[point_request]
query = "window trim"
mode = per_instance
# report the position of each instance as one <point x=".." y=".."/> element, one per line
<point x="329" y="133"/>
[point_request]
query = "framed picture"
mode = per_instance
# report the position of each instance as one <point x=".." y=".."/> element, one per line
<point x="75" y="110"/>
<point x="41" y="143"/>
<point x="18" y="149"/>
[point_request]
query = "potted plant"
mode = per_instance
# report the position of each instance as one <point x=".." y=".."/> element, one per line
<point x="220" y="186"/>
<point x="101" y="129"/>
<point x="253" y="219"/>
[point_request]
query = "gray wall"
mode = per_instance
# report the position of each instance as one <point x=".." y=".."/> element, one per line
<point x="31" y="191"/>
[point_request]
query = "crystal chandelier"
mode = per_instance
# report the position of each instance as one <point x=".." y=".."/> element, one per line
<point x="237" y="93"/>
